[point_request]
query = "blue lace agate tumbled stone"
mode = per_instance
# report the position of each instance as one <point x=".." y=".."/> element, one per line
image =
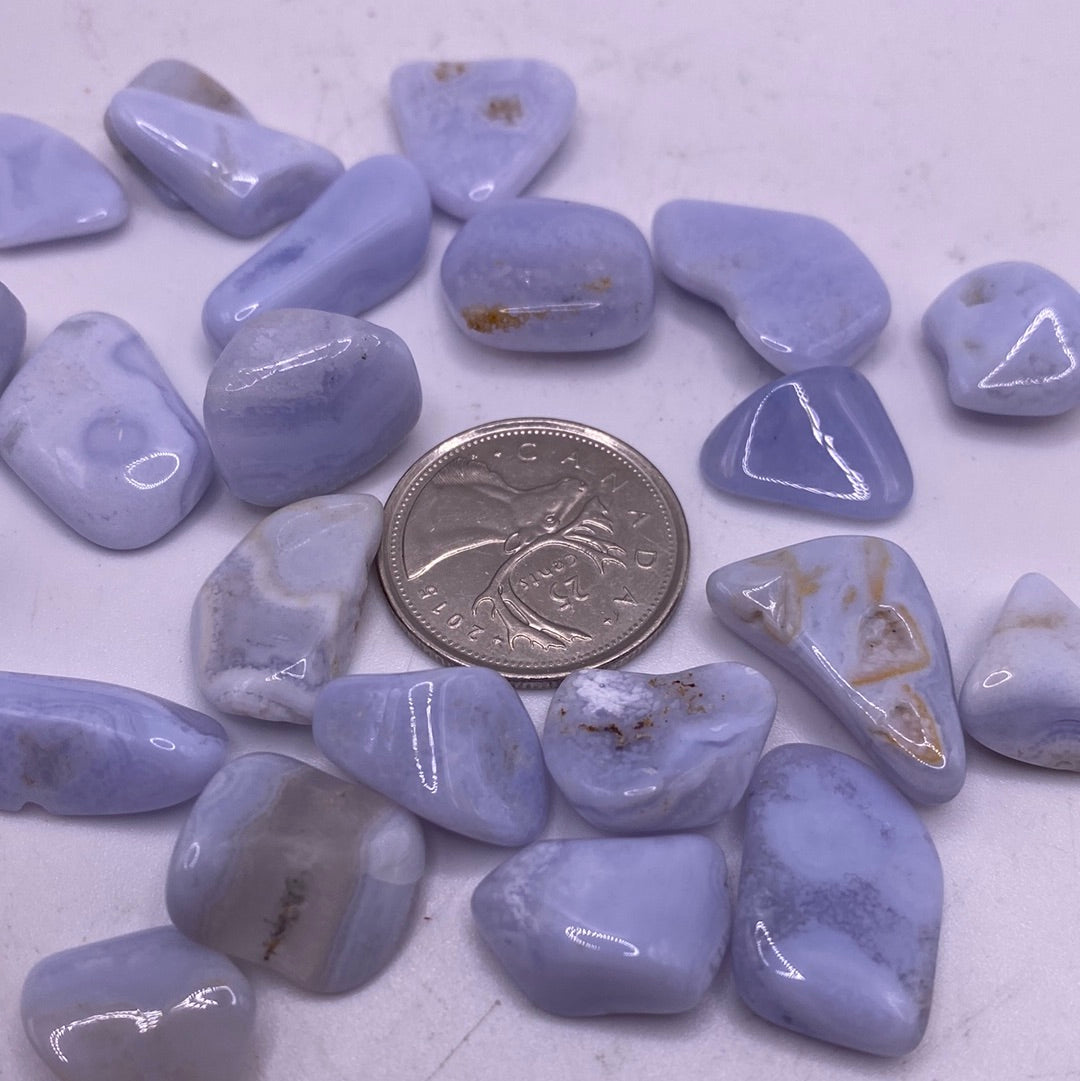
<point x="615" y="925"/>
<point x="356" y="245"/>
<point x="50" y="188"/>
<point x="79" y="747"/>
<point x="12" y="333"/>
<point x="480" y="131"/>
<point x="820" y="439"/>
<point x="302" y="402"/>
<point x="549" y="276"/>
<point x="1008" y="336"/>
<point x="839" y="907"/>
<point x="798" y="289"/>
<point x="93" y="426"/>
<point x="455" y="745"/>
<point x="635" y="753"/>
<point x="240" y="176"/>
<point x="281" y="864"/>
<point x="852" y="619"/>
<point x="152" y="1004"/>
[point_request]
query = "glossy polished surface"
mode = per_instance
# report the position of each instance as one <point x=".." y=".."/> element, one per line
<point x="93" y="426"/>
<point x="820" y="439"/>
<point x="545" y="275"/>
<point x="1008" y="336"/>
<point x="839" y="907"/>
<point x="852" y="619"/>
<point x="635" y="753"/>
<point x="277" y="619"/>
<point x="79" y="747"/>
<point x="50" y="188"/>
<point x="455" y="745"/>
<point x="283" y="865"/>
<point x="301" y="403"/>
<point x="798" y="289"/>
<point x="151" y="1004"/>
<point x="1022" y="695"/>
<point x="356" y="245"/>
<point x="480" y="131"/>
<point x="12" y="333"/>
<point x="617" y="925"/>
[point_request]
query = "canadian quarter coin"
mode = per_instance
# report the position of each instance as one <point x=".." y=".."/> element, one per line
<point x="535" y="547"/>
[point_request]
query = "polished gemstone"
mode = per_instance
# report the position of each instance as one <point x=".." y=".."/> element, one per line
<point x="240" y="176"/>
<point x="301" y="403"/>
<point x="798" y="289"/>
<point x="635" y="753"/>
<point x="12" y="333"/>
<point x="78" y="747"/>
<point x="185" y="82"/>
<point x="839" y="906"/>
<point x="147" y="1005"/>
<point x="277" y="619"/>
<point x="852" y="619"/>
<point x="548" y="276"/>
<point x="612" y="925"/>
<point x="455" y="745"/>
<point x="281" y="864"/>
<point x="1022" y="695"/>
<point x="93" y="426"/>
<point x="820" y="439"/>
<point x="1008" y="336"/>
<point x="50" y="188"/>
<point x="480" y="131"/>
<point x="356" y="245"/>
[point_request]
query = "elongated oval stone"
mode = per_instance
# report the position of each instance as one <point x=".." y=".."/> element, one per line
<point x="240" y="176"/>
<point x="1008" y="337"/>
<point x="852" y="619"/>
<point x="634" y="753"/>
<point x="455" y="745"/>
<point x="301" y="403"/>
<point x="93" y="426"/>
<point x="839" y="908"/>
<point x="615" y="925"/>
<point x="356" y="245"/>
<point x="152" y="1004"/>
<point x="283" y="865"/>
<point x="820" y="439"/>
<point x="277" y="619"/>
<point x="480" y="131"/>
<point x="549" y="276"/>
<point x="12" y="333"/>
<point x="79" y="747"/>
<point x="50" y="188"/>
<point x="797" y="288"/>
<point x="1022" y="695"/>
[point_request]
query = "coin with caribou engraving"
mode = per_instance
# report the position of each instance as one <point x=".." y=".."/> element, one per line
<point x="534" y="547"/>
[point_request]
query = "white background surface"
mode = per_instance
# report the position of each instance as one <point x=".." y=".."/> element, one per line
<point x="940" y="135"/>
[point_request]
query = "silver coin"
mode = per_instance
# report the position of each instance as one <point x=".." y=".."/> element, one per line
<point x="535" y="547"/>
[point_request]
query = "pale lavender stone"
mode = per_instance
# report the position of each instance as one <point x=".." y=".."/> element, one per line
<point x="281" y="864"/>
<point x="480" y="131"/>
<point x="79" y="747"/>
<point x="12" y="333"/>
<point x="454" y="745"/>
<point x="301" y="403"/>
<point x="616" y="925"/>
<point x="1008" y="337"/>
<point x="277" y="619"/>
<point x="545" y="275"/>
<point x="152" y="1004"/>
<point x="93" y="426"/>
<point x="798" y="289"/>
<point x="840" y="901"/>
<point x="240" y="176"/>
<point x="636" y="753"/>
<point x="852" y="619"/>
<point x="356" y="245"/>
<point x="50" y="188"/>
